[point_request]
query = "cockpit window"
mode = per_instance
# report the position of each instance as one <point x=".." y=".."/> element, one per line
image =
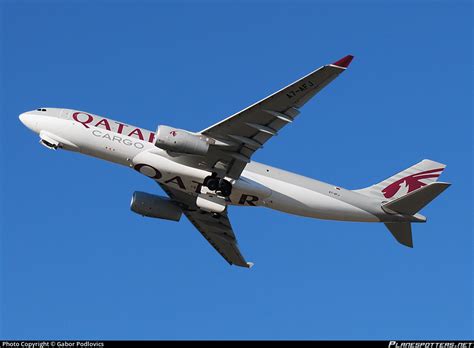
<point x="40" y="109"/>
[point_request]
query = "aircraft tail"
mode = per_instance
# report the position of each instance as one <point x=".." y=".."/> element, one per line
<point x="405" y="182"/>
<point x="407" y="193"/>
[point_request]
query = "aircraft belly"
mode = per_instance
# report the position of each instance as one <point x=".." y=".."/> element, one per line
<point x="297" y="195"/>
<point x="304" y="202"/>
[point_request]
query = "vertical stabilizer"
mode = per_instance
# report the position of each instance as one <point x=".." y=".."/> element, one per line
<point x="408" y="180"/>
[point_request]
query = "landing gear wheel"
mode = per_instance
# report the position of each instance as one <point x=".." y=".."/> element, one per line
<point x="209" y="177"/>
<point x="225" y="187"/>
<point x="219" y="185"/>
<point x="213" y="184"/>
<point x="216" y="215"/>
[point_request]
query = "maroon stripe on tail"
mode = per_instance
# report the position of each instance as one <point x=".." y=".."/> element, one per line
<point x="412" y="181"/>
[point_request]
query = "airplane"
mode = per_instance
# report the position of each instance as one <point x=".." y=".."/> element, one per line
<point x="203" y="173"/>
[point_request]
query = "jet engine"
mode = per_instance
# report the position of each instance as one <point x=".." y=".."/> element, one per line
<point x="181" y="141"/>
<point x="146" y="204"/>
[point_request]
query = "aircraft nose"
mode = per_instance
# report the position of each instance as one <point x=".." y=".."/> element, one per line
<point x="28" y="120"/>
<point x="23" y="118"/>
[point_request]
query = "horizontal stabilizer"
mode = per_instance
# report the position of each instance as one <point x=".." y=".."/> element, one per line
<point x="414" y="201"/>
<point x="402" y="232"/>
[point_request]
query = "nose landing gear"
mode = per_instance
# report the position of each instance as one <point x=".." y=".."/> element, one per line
<point x="219" y="185"/>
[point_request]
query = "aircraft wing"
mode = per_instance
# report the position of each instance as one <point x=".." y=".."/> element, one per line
<point x="217" y="231"/>
<point x="247" y="130"/>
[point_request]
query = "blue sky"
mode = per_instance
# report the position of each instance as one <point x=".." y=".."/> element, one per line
<point x="77" y="263"/>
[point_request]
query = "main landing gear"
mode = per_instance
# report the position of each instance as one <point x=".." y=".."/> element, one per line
<point x="219" y="185"/>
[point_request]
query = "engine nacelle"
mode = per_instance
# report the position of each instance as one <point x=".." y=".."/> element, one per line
<point x="155" y="206"/>
<point x="181" y="141"/>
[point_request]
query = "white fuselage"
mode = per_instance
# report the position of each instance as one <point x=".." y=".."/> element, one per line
<point x="259" y="184"/>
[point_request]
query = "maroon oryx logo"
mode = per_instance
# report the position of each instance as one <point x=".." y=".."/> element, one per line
<point x="411" y="181"/>
<point x="173" y="133"/>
